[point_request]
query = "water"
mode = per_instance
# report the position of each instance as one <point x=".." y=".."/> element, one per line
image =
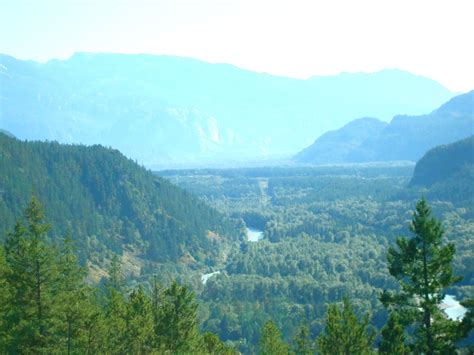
<point x="254" y="235"/>
<point x="206" y="277"/>
<point x="453" y="309"/>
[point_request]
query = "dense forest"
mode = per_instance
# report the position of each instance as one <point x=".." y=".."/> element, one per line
<point x="454" y="180"/>
<point x="110" y="204"/>
<point x="127" y="251"/>
<point x="326" y="235"/>
<point x="46" y="306"/>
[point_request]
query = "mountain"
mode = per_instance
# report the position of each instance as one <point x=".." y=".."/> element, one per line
<point x="404" y="138"/>
<point x="334" y="146"/>
<point x="5" y="132"/>
<point x="446" y="172"/>
<point x="443" y="162"/>
<point x="172" y="110"/>
<point x="108" y="203"/>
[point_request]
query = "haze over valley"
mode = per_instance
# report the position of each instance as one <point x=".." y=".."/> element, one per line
<point x="236" y="177"/>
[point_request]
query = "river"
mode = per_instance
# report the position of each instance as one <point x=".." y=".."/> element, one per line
<point x="453" y="309"/>
<point x="253" y="235"/>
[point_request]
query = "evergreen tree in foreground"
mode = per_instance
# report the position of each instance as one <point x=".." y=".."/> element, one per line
<point x="344" y="333"/>
<point x="33" y="280"/>
<point x="271" y="342"/>
<point x="423" y="267"/>
<point x="302" y="344"/>
<point x="46" y="306"/>
<point x="393" y="337"/>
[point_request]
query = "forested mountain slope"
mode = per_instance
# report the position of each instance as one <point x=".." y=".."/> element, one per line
<point x="448" y="172"/>
<point x="108" y="202"/>
<point x="159" y="109"/>
<point x="404" y="138"/>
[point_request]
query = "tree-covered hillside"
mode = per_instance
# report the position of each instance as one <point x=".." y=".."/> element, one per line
<point x="108" y="202"/>
<point x="443" y="162"/>
<point x="447" y="171"/>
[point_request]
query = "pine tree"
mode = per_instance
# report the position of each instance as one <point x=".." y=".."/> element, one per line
<point x="73" y="301"/>
<point x="271" y="342"/>
<point x="393" y="337"/>
<point x="214" y="345"/>
<point x="115" y="310"/>
<point x="344" y="333"/>
<point x="177" y="326"/>
<point x="423" y="267"/>
<point x="5" y="295"/>
<point x="302" y="342"/>
<point x="33" y="281"/>
<point x="139" y="323"/>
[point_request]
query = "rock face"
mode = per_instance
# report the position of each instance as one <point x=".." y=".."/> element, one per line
<point x="404" y="138"/>
<point x="161" y="109"/>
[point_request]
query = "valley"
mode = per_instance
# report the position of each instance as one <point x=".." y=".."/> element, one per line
<point x="236" y="177"/>
<point x="326" y="231"/>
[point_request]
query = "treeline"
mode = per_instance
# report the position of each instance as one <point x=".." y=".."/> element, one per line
<point x="46" y="306"/>
<point x="109" y="202"/>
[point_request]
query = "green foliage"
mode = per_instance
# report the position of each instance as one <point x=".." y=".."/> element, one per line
<point x="213" y="345"/>
<point x="109" y="202"/>
<point x="423" y="267"/>
<point x="271" y="342"/>
<point x="33" y="279"/>
<point x="5" y="298"/>
<point x="344" y="333"/>
<point x="46" y="306"/>
<point x="72" y="302"/>
<point x="302" y="344"/>
<point x="393" y="337"/>
<point x="139" y="333"/>
<point x="326" y="233"/>
<point x="177" y="327"/>
<point x="454" y="181"/>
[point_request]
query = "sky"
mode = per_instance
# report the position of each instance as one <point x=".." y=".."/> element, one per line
<point x="295" y="38"/>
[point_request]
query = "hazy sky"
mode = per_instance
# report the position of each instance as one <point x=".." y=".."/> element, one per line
<point x="291" y="37"/>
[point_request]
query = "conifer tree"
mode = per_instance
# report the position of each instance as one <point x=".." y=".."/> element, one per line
<point x="213" y="345"/>
<point x="177" y="326"/>
<point x="423" y="267"/>
<point x="33" y="282"/>
<point x="5" y="300"/>
<point x="393" y="337"/>
<point x="344" y="333"/>
<point x="271" y="342"/>
<point x="115" y="310"/>
<point x="139" y="323"/>
<point x="302" y="342"/>
<point x="73" y="301"/>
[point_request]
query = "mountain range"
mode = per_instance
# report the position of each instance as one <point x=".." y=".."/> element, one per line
<point x="404" y="138"/>
<point x="171" y="110"/>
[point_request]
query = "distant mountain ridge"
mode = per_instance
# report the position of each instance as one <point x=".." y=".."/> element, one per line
<point x="404" y="138"/>
<point x="162" y="109"/>
<point x="334" y="146"/>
